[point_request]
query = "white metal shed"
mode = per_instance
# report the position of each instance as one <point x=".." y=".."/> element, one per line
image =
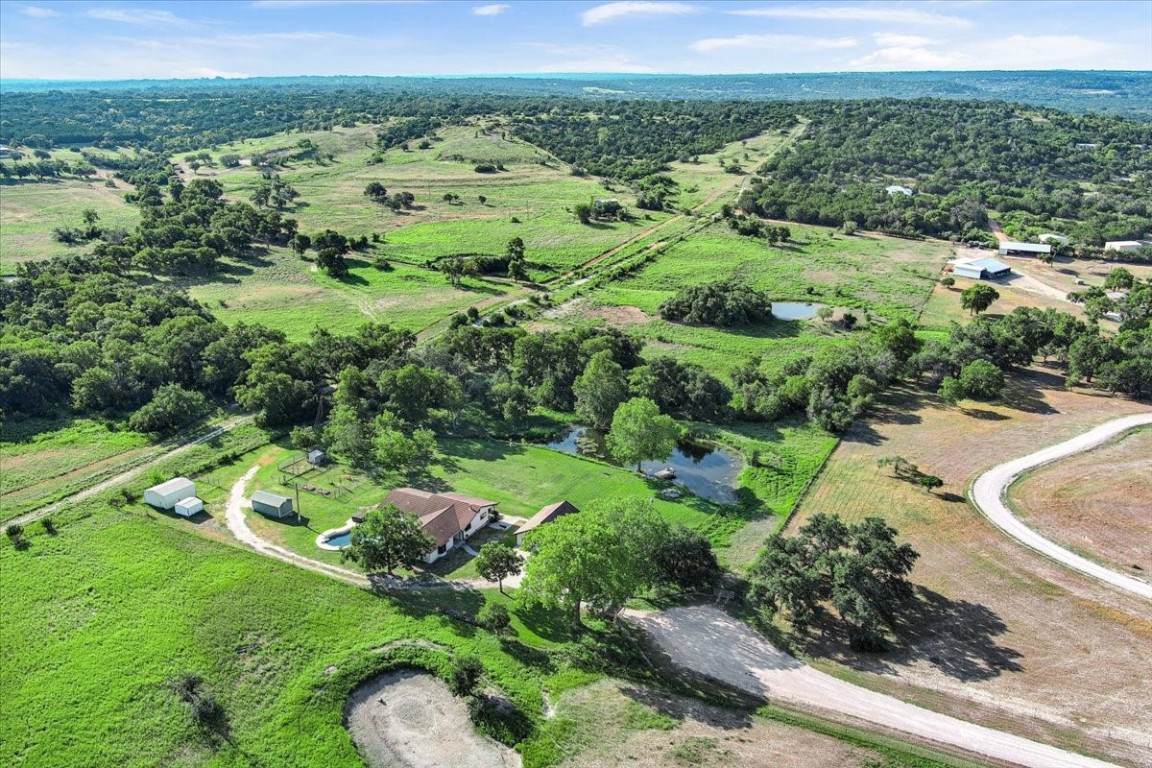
<point x="188" y="507"/>
<point x="165" y="495"/>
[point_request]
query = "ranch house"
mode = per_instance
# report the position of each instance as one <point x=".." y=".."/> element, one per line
<point x="449" y="518"/>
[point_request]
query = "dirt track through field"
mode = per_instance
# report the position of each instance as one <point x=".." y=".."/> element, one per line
<point x="712" y="643"/>
<point x="128" y="476"/>
<point x="988" y="491"/>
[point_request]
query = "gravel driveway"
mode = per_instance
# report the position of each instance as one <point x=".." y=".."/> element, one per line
<point x="710" y="642"/>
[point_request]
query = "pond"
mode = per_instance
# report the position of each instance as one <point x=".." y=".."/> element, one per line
<point x="795" y="310"/>
<point x="710" y="473"/>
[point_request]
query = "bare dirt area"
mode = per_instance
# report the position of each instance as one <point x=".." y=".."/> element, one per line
<point x="411" y="719"/>
<point x="584" y="309"/>
<point x="1098" y="503"/>
<point x="1001" y="635"/>
<point x="690" y="732"/>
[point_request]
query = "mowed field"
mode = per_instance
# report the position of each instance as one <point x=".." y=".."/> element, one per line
<point x="867" y="274"/>
<point x="30" y="210"/>
<point x="1098" y="503"/>
<point x="290" y="294"/>
<point x="1000" y="635"/>
<point x="539" y="196"/>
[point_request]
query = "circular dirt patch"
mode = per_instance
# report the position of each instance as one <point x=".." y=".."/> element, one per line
<point x="411" y="719"/>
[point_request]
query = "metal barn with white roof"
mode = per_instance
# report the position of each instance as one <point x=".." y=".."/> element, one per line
<point x="165" y="495"/>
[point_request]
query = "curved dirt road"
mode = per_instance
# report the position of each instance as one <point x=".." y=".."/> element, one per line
<point x="987" y="494"/>
<point x="238" y="525"/>
<point x="712" y="643"/>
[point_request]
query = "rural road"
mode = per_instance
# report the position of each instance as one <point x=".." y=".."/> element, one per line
<point x="710" y="642"/>
<point x="987" y="494"/>
<point x="128" y="476"/>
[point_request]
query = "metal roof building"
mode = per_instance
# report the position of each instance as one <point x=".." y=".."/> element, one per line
<point x="981" y="269"/>
<point x="271" y="504"/>
<point x="1007" y="249"/>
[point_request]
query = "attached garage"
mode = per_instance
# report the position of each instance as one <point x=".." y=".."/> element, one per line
<point x="271" y="504"/>
<point x="188" y="507"/>
<point x="165" y="495"/>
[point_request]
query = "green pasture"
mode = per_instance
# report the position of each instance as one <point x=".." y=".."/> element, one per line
<point x="34" y="453"/>
<point x="100" y="617"/>
<point x="539" y="196"/>
<point x="290" y="294"/>
<point x="31" y="209"/>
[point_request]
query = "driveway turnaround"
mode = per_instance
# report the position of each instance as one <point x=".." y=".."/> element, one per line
<point x="712" y="643"/>
<point x="988" y="491"/>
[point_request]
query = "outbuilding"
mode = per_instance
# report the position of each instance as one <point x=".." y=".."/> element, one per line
<point x="545" y="515"/>
<point x="271" y="504"/>
<point x="1015" y="249"/>
<point x="1052" y="237"/>
<point x="165" y="495"/>
<point x="897" y="189"/>
<point x="188" y="507"/>
<point x="981" y="269"/>
<point x="317" y="458"/>
<point x="1127" y="245"/>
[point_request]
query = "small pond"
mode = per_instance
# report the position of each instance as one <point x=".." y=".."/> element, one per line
<point x="795" y="310"/>
<point x="340" y="540"/>
<point x="710" y="473"/>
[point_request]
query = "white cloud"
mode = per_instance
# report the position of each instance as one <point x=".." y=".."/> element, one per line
<point x="490" y="10"/>
<point x="886" y="15"/>
<point x="140" y="17"/>
<point x="1018" y="52"/>
<point x="889" y="40"/>
<point x="773" y="43"/>
<point x="37" y="12"/>
<point x="611" y="11"/>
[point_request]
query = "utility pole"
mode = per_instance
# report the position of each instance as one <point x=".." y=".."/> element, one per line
<point x="296" y="485"/>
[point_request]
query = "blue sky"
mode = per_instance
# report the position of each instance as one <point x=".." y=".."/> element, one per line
<point x="238" y="38"/>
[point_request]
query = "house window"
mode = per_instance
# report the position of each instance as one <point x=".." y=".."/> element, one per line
<point x="468" y="527"/>
<point x="440" y="549"/>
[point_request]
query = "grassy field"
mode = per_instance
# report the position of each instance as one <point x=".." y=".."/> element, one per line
<point x="289" y="294"/>
<point x="37" y="456"/>
<point x="99" y="618"/>
<point x="868" y="274"/>
<point x="979" y="644"/>
<point x="1097" y="502"/>
<point x="30" y="210"/>
<point x="539" y="196"/>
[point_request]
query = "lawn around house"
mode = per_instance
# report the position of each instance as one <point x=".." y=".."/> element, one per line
<point x="522" y="478"/>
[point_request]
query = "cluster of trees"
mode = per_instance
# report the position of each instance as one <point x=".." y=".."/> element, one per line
<point x="378" y="193"/>
<point x="610" y="553"/>
<point x="725" y="304"/>
<point x="749" y="226"/>
<point x="858" y="570"/>
<point x="963" y="159"/>
<point x="45" y="168"/>
<point x="273" y="190"/>
<point x="1134" y="306"/>
<point x="98" y="343"/>
<point x="637" y="139"/>
<point x="189" y="229"/>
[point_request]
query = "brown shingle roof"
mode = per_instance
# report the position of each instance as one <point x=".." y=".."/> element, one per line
<point x="547" y="515"/>
<point x="442" y="515"/>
